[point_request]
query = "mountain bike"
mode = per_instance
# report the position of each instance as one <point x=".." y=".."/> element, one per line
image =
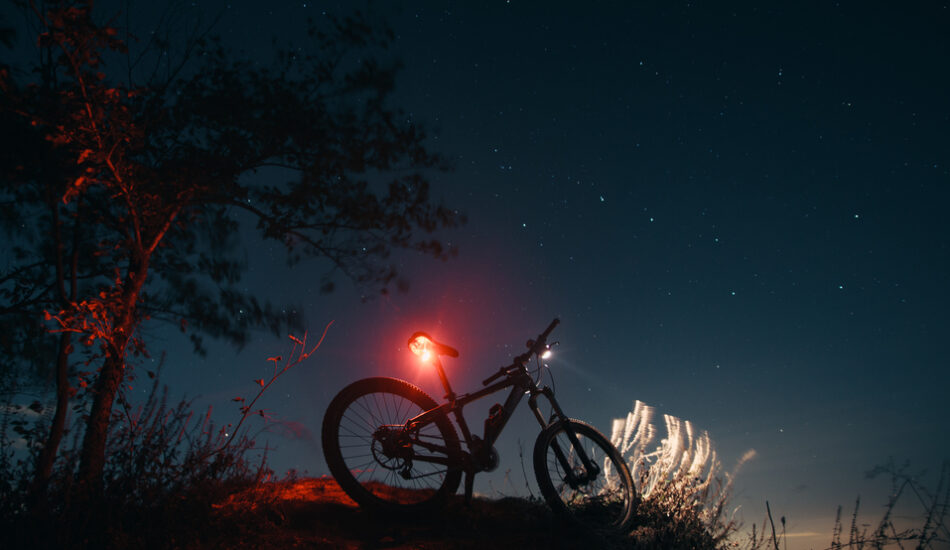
<point x="392" y="448"/>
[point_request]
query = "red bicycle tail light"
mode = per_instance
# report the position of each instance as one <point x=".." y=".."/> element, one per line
<point x="421" y="346"/>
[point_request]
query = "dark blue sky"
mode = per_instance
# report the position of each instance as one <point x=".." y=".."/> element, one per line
<point x="737" y="212"/>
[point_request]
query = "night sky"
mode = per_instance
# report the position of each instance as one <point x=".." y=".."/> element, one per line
<point x="737" y="212"/>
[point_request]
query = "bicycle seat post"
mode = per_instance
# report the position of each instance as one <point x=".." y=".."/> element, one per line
<point x="427" y="349"/>
<point x="449" y="394"/>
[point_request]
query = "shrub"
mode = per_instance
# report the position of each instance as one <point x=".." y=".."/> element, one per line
<point x="166" y="466"/>
<point x="683" y="489"/>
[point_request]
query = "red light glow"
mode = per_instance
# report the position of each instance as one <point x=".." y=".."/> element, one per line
<point x="420" y="346"/>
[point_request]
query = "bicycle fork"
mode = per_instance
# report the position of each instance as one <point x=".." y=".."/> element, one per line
<point x="591" y="469"/>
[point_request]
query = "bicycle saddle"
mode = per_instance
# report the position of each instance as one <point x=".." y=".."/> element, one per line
<point x="421" y="342"/>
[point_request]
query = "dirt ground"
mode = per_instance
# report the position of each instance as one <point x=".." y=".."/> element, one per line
<point x="315" y="513"/>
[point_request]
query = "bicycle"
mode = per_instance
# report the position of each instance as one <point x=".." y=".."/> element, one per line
<point x="392" y="448"/>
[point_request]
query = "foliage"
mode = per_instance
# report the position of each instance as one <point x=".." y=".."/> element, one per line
<point x="126" y="196"/>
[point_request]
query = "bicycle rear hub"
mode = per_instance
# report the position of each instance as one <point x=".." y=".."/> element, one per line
<point x="392" y="448"/>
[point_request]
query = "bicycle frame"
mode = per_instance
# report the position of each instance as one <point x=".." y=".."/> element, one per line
<point x="521" y="383"/>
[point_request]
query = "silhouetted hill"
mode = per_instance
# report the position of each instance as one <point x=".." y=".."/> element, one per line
<point x="315" y="513"/>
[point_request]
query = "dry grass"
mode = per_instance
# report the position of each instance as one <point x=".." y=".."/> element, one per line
<point x="686" y="496"/>
<point x="921" y="523"/>
<point x="173" y="482"/>
<point x="680" y="479"/>
<point x="166" y="468"/>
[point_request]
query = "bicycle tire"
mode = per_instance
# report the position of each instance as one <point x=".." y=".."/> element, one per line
<point x="354" y="454"/>
<point x="605" y="503"/>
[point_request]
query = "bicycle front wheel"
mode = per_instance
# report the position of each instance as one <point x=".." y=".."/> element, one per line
<point x="601" y="496"/>
<point x="379" y="464"/>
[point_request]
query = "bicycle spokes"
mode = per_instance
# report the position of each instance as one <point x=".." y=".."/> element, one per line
<point x="383" y="456"/>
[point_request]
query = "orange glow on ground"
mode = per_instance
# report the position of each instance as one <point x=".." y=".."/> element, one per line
<point x="323" y="489"/>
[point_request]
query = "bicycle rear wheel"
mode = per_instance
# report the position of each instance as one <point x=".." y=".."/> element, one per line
<point x="600" y="498"/>
<point x="375" y="461"/>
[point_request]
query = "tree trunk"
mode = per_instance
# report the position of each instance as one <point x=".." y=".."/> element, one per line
<point x="92" y="458"/>
<point x="47" y="457"/>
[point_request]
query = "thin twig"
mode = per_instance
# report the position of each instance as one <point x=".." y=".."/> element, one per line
<point x="300" y="349"/>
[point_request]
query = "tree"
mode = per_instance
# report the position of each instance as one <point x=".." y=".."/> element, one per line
<point x="153" y="182"/>
<point x="41" y="277"/>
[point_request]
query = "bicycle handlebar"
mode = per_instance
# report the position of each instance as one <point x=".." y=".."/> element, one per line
<point x="544" y="335"/>
<point x="534" y="347"/>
